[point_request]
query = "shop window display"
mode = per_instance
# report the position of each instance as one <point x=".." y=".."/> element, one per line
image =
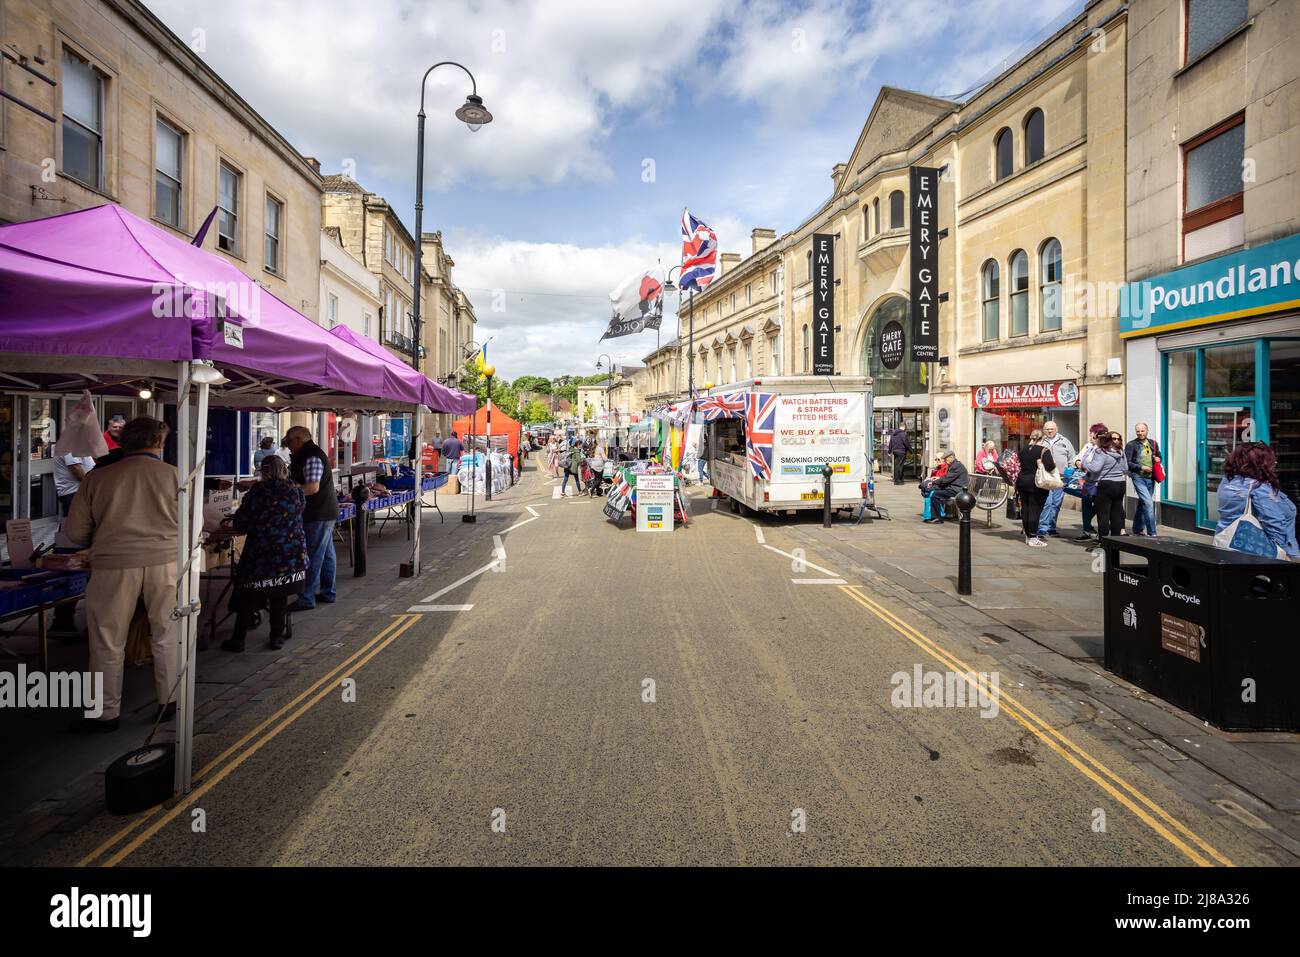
<point x="1010" y="428"/>
<point x="1229" y="371"/>
<point x="1284" y="412"/>
<point x="1180" y="428"/>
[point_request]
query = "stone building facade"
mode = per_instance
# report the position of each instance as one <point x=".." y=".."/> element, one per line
<point x="104" y="104"/>
<point x="371" y="230"/>
<point x="1032" y="185"/>
<point x="1212" y="335"/>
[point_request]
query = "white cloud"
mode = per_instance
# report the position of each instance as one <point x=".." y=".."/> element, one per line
<point x="545" y="305"/>
<point x="345" y="77"/>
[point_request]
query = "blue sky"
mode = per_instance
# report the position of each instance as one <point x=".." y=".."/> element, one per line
<point x="743" y="108"/>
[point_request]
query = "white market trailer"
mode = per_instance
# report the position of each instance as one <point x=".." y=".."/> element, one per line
<point x="811" y="422"/>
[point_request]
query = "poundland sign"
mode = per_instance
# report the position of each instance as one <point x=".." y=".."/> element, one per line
<point x="1253" y="282"/>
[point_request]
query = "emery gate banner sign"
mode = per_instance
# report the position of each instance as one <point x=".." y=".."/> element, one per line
<point x="823" y="271"/>
<point x="924" y="257"/>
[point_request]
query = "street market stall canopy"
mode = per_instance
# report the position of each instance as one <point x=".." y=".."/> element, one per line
<point x="436" y="396"/>
<point x="502" y="424"/>
<point x="102" y="291"/>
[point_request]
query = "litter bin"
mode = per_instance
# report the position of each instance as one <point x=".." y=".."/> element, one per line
<point x="1209" y="630"/>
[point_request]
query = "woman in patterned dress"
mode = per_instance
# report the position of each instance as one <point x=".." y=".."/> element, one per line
<point x="273" y="565"/>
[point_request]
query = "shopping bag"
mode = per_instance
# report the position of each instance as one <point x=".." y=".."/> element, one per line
<point x="925" y="512"/>
<point x="81" y="435"/>
<point x="1048" y="479"/>
<point x="1157" y="471"/>
<point x="1009" y="465"/>
<point x="1245" y="534"/>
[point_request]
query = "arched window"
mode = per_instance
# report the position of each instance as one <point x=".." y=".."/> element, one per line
<point x="875" y="215"/>
<point x="1002" y="154"/>
<point x="896" y="209"/>
<point x="807" y="347"/>
<point x="1049" y="285"/>
<point x="884" y="345"/>
<point x="989" y="295"/>
<point x="866" y="223"/>
<point x="810" y="265"/>
<point x="1019" y="294"/>
<point x="1033" y="137"/>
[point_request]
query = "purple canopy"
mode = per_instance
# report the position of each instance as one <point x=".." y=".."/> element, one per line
<point x="436" y="396"/>
<point x="103" y="282"/>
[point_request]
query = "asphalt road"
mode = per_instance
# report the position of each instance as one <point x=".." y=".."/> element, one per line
<point x="517" y="731"/>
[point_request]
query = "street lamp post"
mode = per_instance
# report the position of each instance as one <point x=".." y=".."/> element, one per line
<point x="690" y="347"/>
<point x="489" y="371"/>
<point x="609" y="388"/>
<point x="474" y="115"/>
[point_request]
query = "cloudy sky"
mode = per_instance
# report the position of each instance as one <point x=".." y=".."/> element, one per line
<point x="609" y="118"/>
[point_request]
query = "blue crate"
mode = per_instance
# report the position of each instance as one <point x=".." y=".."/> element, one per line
<point x="61" y="585"/>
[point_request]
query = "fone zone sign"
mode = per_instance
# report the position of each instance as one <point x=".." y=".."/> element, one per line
<point x="823" y="274"/>
<point x="924" y="256"/>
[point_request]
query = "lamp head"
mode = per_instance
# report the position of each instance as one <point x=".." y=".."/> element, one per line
<point x="474" y="114"/>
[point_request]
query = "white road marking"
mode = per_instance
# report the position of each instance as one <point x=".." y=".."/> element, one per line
<point x="796" y="558"/>
<point x="758" y="533"/>
<point x="456" y="584"/>
<point x="555" y="492"/>
<point x="818" y="581"/>
<point x="524" y="522"/>
<point x="532" y="511"/>
<point x="498" y="549"/>
<point x="424" y="608"/>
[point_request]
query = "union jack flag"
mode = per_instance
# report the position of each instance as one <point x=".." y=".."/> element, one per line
<point x="729" y="406"/>
<point x="699" y="253"/>
<point x="760" y="431"/>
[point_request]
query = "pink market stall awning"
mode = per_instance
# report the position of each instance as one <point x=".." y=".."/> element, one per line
<point x="104" y="283"/>
<point x="437" y="397"/>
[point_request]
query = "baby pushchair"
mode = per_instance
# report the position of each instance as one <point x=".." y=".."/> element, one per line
<point x="598" y="473"/>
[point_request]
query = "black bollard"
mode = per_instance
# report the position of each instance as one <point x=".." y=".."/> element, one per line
<point x="359" y="495"/>
<point x="826" y="496"/>
<point x="965" y="501"/>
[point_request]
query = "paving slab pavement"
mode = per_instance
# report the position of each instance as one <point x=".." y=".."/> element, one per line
<point x="1045" y="604"/>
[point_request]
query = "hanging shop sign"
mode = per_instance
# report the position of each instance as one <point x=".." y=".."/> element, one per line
<point x="924" y="258"/>
<point x="890" y="346"/>
<point x="1026" y="395"/>
<point x="823" y="272"/>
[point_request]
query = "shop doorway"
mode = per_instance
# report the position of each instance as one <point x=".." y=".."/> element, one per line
<point x="1221" y="427"/>
<point x="916" y="422"/>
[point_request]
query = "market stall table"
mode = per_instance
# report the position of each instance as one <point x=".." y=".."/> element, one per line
<point x="19" y="603"/>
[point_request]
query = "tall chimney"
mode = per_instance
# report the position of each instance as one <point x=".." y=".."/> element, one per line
<point x="729" y="261"/>
<point x="762" y="238"/>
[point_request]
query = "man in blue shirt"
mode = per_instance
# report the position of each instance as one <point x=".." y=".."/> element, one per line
<point x="452" y="450"/>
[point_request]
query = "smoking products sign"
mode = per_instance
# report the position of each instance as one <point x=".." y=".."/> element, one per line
<point x="813" y="431"/>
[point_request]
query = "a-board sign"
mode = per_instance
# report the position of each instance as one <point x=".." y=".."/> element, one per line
<point x="654" y="503"/>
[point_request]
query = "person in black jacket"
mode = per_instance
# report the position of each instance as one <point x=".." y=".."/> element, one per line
<point x="1033" y="498"/>
<point x="309" y="466"/>
<point x="899" y="446"/>
<point x="947" y="486"/>
<point x="1143" y="455"/>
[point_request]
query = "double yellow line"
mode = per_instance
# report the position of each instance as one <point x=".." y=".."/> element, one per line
<point x="255" y="740"/>
<point x="1147" y="810"/>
